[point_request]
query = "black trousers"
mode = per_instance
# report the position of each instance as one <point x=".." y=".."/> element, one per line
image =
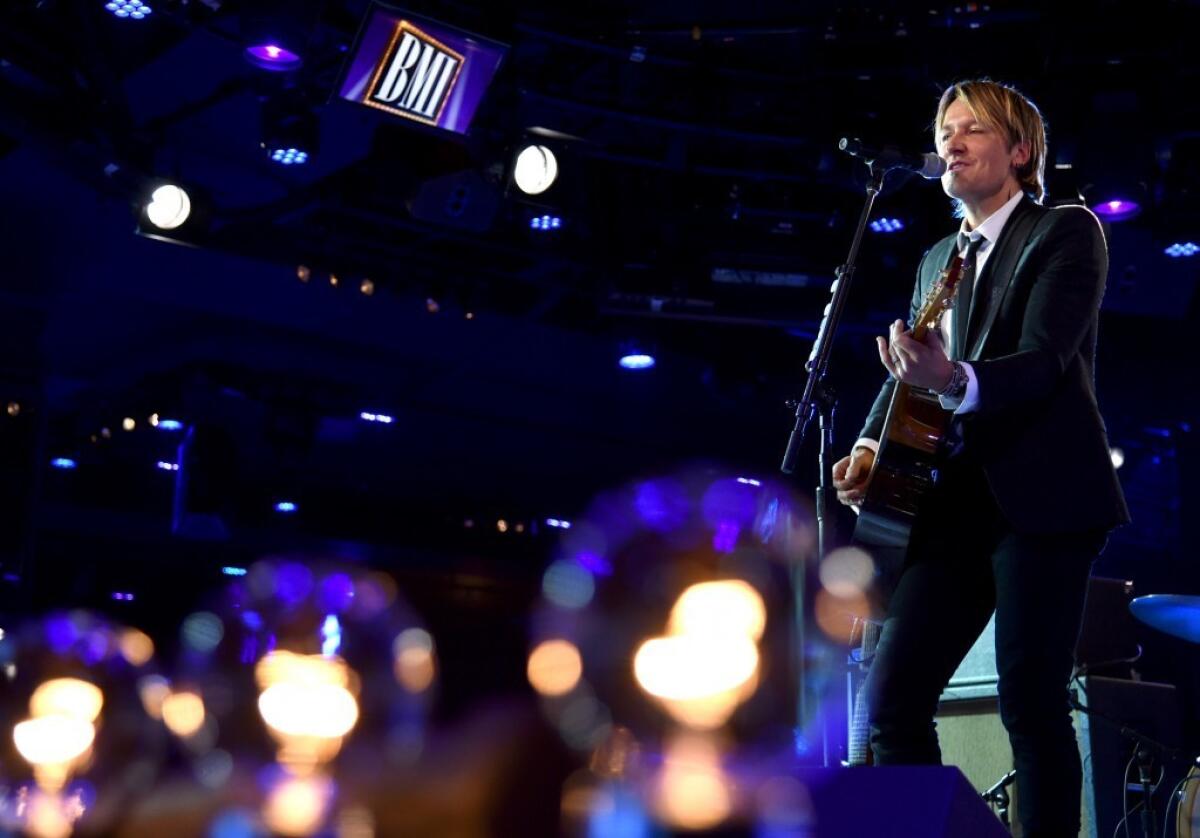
<point x="963" y="562"/>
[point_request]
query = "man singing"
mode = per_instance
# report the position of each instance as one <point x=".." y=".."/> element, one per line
<point x="1026" y="494"/>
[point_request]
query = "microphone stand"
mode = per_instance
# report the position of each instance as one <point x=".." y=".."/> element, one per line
<point x="819" y="400"/>
<point x="997" y="794"/>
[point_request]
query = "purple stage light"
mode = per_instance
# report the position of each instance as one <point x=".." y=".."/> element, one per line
<point x="272" y="57"/>
<point x="887" y="225"/>
<point x="1116" y="209"/>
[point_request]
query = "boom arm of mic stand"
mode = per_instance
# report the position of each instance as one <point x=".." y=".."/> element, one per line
<point x="813" y="401"/>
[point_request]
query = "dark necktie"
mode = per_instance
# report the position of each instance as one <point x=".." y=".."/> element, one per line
<point x="962" y="300"/>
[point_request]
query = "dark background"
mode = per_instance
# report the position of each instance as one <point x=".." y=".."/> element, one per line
<point x="692" y="137"/>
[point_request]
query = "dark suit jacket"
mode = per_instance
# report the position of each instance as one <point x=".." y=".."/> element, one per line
<point x="1037" y="431"/>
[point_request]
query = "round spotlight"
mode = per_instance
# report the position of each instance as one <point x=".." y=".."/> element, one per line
<point x="1117" y="209"/>
<point x="272" y="56"/>
<point x="169" y="207"/>
<point x="535" y="170"/>
<point x="637" y="361"/>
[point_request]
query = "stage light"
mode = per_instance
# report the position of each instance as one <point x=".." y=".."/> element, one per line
<point x="535" y="170"/>
<point x="290" y="130"/>
<point x="887" y="225"/>
<point x="165" y="466"/>
<point x="749" y="481"/>
<point x="545" y="222"/>
<point x="273" y="56"/>
<point x="381" y="418"/>
<point x="1117" y="209"/>
<point x="64" y="463"/>
<point x="1182" y="249"/>
<point x="129" y="9"/>
<point x="128" y="423"/>
<point x="1118" y="457"/>
<point x="14" y="408"/>
<point x="234" y="571"/>
<point x="367" y="287"/>
<point x="169" y="425"/>
<point x="637" y="361"/>
<point x="169" y="207"/>
<point x="558" y="523"/>
<point x="286" y="507"/>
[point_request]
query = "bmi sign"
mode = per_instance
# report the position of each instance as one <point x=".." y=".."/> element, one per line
<point x="420" y="70"/>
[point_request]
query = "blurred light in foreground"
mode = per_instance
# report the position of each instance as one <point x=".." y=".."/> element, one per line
<point x="153" y="420"/>
<point x="366" y="287"/>
<point x="128" y="423"/>
<point x="1118" y="456"/>
<point x="331" y="636"/>
<point x="183" y="713"/>
<point x="887" y="225"/>
<point x="306" y="695"/>
<point x="233" y="571"/>
<point x="129" y="9"/>
<point x="286" y="507"/>
<point x="53" y="741"/>
<point x="554" y="667"/>
<point x="691" y="790"/>
<point x="1116" y="209"/>
<point x="1182" y="249"/>
<point x="64" y="463"/>
<point x="169" y="207"/>
<point x="153" y="691"/>
<point x="303" y="273"/>
<point x="836" y="616"/>
<point x="14" y="408"/>
<point x="535" y="170"/>
<point x="381" y="418"/>
<point x="136" y="647"/>
<point x="413" y="663"/>
<point x="847" y="572"/>
<point x="68" y="697"/>
<point x="568" y="585"/>
<point x="297" y="805"/>
<point x="637" y="361"/>
<point x="701" y="678"/>
<point x="202" y="631"/>
<point x="728" y="607"/>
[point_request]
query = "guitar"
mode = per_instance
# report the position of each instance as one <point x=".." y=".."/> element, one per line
<point x="906" y="463"/>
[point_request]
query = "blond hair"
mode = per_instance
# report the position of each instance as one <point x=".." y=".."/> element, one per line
<point x="1006" y="109"/>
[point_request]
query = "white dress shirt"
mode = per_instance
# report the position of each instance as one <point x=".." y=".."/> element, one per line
<point x="990" y="230"/>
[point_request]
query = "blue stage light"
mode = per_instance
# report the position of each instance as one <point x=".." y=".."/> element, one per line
<point x="1182" y="250"/>
<point x="63" y="463"/>
<point x="545" y="222"/>
<point x="637" y="361"/>
<point x="558" y="523"/>
<point x="234" y="571"/>
<point x="289" y="156"/>
<point x="165" y="466"/>
<point x="131" y="9"/>
<point x="287" y="507"/>
<point x="887" y="225"/>
<point x="381" y="418"/>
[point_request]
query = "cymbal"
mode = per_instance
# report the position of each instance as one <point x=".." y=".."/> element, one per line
<point x="1174" y="614"/>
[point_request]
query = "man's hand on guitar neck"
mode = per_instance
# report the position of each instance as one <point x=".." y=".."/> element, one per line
<point x="917" y="363"/>
<point x="850" y="475"/>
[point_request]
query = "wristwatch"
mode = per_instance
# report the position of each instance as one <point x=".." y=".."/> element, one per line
<point x="956" y="387"/>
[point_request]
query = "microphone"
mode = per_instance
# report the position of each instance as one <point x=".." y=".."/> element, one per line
<point x="928" y="165"/>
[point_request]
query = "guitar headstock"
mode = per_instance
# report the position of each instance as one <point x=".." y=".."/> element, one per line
<point x="939" y="298"/>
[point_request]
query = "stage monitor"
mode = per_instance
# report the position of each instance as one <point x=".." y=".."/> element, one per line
<point x="418" y="69"/>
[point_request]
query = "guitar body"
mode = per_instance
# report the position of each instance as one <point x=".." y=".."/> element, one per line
<point x="914" y="431"/>
<point x="905" y="467"/>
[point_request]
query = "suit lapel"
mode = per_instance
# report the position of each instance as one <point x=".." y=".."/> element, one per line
<point x="992" y="285"/>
